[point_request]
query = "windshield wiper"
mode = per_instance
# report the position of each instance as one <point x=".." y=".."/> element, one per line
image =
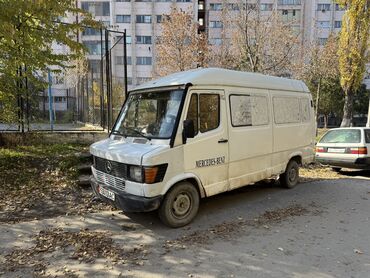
<point x="137" y="132"/>
<point x="116" y="132"/>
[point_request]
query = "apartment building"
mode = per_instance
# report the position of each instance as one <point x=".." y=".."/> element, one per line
<point x="313" y="19"/>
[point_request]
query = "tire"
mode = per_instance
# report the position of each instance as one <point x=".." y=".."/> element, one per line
<point x="180" y="205"/>
<point x="336" y="169"/>
<point x="290" y="177"/>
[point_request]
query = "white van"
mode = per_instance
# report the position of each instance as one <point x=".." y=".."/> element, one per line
<point x="198" y="133"/>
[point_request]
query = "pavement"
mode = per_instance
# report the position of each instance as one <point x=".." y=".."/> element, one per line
<point x="319" y="229"/>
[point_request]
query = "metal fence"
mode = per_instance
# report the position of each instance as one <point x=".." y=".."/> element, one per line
<point x="87" y="95"/>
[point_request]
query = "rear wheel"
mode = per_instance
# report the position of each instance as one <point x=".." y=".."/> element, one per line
<point x="290" y="177"/>
<point x="180" y="205"/>
<point x="336" y="169"/>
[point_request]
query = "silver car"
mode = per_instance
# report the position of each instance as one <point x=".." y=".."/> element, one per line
<point x="345" y="148"/>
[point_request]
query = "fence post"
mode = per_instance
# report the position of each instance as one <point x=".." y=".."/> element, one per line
<point x="50" y="102"/>
<point x="125" y="61"/>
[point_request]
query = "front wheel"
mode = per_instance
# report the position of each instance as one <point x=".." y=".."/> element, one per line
<point x="290" y="177"/>
<point x="180" y="205"/>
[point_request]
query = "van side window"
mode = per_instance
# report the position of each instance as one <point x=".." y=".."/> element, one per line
<point x="248" y="110"/>
<point x="209" y="112"/>
<point x="286" y="110"/>
<point x="193" y="111"/>
<point x="367" y="135"/>
<point x="305" y="110"/>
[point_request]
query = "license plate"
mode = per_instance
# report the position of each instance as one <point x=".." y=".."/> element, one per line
<point x="332" y="150"/>
<point x="107" y="193"/>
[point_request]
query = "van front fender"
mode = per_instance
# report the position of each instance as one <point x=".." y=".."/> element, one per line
<point x="184" y="177"/>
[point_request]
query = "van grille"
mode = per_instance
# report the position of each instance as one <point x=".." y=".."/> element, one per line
<point x="117" y="169"/>
<point x="109" y="180"/>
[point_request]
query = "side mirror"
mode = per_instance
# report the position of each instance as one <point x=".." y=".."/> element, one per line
<point x="188" y="131"/>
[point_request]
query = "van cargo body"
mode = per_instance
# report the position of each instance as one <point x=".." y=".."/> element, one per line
<point x="198" y="133"/>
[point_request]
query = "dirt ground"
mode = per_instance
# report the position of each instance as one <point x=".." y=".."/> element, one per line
<point x="52" y="227"/>
<point x="318" y="229"/>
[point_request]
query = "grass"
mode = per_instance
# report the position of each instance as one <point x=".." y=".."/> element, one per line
<point x="40" y="180"/>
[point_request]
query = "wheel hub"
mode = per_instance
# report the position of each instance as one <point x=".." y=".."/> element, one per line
<point x="181" y="204"/>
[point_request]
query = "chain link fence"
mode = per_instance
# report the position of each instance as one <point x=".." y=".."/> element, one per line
<point x="85" y="96"/>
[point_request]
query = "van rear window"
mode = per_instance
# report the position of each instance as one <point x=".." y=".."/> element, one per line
<point x="342" y="136"/>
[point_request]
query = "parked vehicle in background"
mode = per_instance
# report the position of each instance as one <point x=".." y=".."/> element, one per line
<point x="345" y="148"/>
<point x="198" y="133"/>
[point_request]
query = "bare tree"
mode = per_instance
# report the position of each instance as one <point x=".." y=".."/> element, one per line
<point x="263" y="42"/>
<point x="318" y="67"/>
<point x="180" y="47"/>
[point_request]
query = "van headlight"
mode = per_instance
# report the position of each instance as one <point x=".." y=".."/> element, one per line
<point x="136" y="173"/>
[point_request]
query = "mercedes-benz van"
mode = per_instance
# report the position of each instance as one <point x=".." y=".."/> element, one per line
<point x="198" y="133"/>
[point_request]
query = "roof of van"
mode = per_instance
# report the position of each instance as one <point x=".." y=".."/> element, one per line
<point x="224" y="77"/>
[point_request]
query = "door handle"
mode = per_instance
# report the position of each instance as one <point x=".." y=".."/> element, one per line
<point x="223" y="141"/>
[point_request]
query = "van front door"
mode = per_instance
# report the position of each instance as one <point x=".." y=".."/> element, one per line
<point x="206" y="155"/>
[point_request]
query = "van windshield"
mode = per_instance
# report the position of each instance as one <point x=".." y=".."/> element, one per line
<point x="150" y="114"/>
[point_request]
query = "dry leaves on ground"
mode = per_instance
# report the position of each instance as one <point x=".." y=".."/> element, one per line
<point x="84" y="246"/>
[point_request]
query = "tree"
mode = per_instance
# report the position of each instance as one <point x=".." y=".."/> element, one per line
<point x="319" y="69"/>
<point x="353" y="44"/>
<point x="28" y="30"/>
<point x="180" y="47"/>
<point x="263" y="43"/>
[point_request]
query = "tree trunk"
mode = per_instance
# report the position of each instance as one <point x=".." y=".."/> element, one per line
<point x="317" y="100"/>
<point x="368" y="115"/>
<point x="347" y="109"/>
<point x="326" y="119"/>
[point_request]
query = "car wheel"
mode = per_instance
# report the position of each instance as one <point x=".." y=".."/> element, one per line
<point x="336" y="169"/>
<point x="290" y="177"/>
<point x="180" y="205"/>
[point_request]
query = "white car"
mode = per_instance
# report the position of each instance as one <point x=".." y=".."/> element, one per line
<point x="345" y="148"/>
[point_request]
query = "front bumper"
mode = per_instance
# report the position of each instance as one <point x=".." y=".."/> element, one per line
<point x="358" y="163"/>
<point x="127" y="202"/>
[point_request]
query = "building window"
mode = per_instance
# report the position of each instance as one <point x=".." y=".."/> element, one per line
<point x="183" y="1"/>
<point x="289" y="2"/>
<point x="96" y="8"/>
<point x="215" y="24"/>
<point x="233" y="7"/>
<point x="215" y="41"/>
<point x="215" y="6"/>
<point x="93" y="47"/>
<point x="119" y="60"/>
<point x="123" y="0"/>
<point x="322" y="41"/>
<point x="266" y="7"/>
<point x="143" y="39"/>
<point x="95" y="65"/>
<point x="141" y="80"/>
<point x="144" y="61"/>
<point x="323" y="7"/>
<point x="323" y="24"/>
<point x="291" y="15"/>
<point x="91" y="32"/>
<point x="338" y="24"/>
<point x="143" y="19"/>
<point x="201" y="5"/>
<point x="339" y="7"/>
<point x="123" y="18"/>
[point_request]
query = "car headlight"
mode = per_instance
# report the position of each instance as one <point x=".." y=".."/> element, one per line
<point x="136" y="173"/>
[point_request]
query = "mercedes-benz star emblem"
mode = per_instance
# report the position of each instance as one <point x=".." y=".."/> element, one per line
<point x="108" y="166"/>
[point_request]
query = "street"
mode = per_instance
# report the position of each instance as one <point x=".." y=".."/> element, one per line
<point x="321" y="228"/>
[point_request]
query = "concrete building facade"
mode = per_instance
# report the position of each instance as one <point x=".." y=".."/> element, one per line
<point x="315" y="20"/>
